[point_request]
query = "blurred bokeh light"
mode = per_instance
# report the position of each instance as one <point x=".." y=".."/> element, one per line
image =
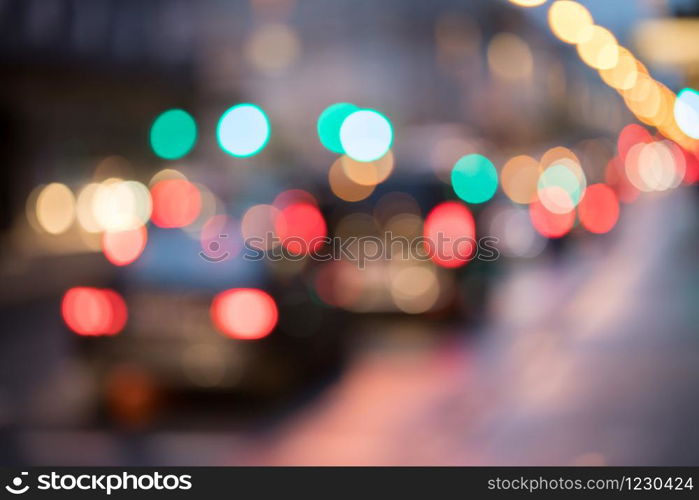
<point x="350" y="232"/>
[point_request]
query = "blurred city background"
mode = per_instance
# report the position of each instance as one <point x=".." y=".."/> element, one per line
<point x="149" y="149"/>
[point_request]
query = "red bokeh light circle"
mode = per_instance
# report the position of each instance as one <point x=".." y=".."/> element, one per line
<point x="450" y="234"/>
<point x="549" y="224"/>
<point x="176" y="203"/>
<point x="93" y="311"/>
<point x="244" y="313"/>
<point x="599" y="209"/>
<point x="301" y="228"/>
<point x="121" y="248"/>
